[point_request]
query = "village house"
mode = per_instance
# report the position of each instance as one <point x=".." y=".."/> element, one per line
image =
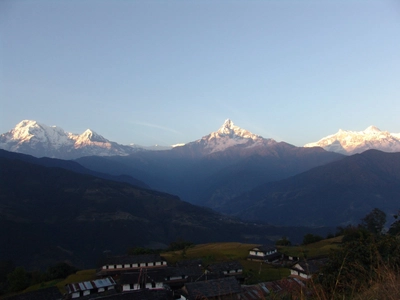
<point x="140" y="280"/>
<point x="119" y="264"/>
<point x="307" y="268"/>
<point x="145" y="294"/>
<point x="216" y="289"/>
<point x="264" y="253"/>
<point x="290" y="288"/>
<point x="227" y="268"/>
<point x="85" y="288"/>
<point x="171" y="278"/>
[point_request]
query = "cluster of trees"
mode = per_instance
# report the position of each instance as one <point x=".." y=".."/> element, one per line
<point x="14" y="279"/>
<point x="179" y="244"/>
<point x="367" y="256"/>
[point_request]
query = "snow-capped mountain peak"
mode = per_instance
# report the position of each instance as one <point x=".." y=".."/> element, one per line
<point x="34" y="132"/>
<point x="230" y="130"/>
<point x="227" y="127"/>
<point x="372" y="129"/>
<point x="89" y="136"/>
<point x="228" y="135"/>
<point x="31" y="137"/>
<point x="351" y="142"/>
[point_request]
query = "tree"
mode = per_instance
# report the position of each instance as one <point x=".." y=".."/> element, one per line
<point x="179" y="244"/>
<point x="353" y="267"/>
<point x="18" y="280"/>
<point x="311" y="238"/>
<point x="283" y="242"/>
<point x="374" y="222"/>
<point x="60" y="270"/>
<point x="6" y="267"/>
<point x="141" y="250"/>
<point x="395" y="227"/>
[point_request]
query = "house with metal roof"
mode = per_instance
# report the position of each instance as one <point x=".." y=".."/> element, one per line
<point x="126" y="263"/>
<point x="292" y="288"/>
<point x="264" y="253"/>
<point x="173" y="277"/>
<point x="217" y="289"/>
<point x="307" y="268"/>
<point x="227" y="268"/>
<point x="85" y="288"/>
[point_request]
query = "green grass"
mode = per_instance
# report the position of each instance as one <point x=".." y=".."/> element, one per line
<point x="215" y="252"/>
<point x="321" y="248"/>
<point x="212" y="252"/>
<point x="253" y="271"/>
<point x="79" y="276"/>
<point x="42" y="285"/>
<point x="256" y="272"/>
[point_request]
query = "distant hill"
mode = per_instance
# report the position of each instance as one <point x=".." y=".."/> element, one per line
<point x="338" y="193"/>
<point x="50" y="214"/>
<point x="72" y="166"/>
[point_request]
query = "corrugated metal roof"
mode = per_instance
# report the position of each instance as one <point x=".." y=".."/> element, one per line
<point x="89" y="285"/>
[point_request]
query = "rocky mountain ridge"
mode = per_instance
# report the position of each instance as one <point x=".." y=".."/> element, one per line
<point x="37" y="139"/>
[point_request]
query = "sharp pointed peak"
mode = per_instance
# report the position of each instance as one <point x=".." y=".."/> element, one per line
<point x="372" y="128"/>
<point x="228" y="123"/>
<point x="89" y="132"/>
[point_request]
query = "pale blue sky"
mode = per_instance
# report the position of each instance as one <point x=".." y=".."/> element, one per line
<point x="167" y="72"/>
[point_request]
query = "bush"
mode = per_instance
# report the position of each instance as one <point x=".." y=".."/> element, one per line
<point x="60" y="270"/>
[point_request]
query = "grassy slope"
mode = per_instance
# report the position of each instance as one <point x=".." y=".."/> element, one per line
<point x="321" y="248"/>
<point x="215" y="252"/>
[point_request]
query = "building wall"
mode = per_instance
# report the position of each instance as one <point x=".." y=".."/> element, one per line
<point x="133" y="266"/>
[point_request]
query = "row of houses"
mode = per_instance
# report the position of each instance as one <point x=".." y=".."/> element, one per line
<point x="150" y="277"/>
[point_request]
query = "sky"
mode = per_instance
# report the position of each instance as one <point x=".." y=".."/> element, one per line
<point x="169" y="72"/>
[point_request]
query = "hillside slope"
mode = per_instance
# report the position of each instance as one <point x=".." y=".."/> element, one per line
<point x="52" y="214"/>
<point x="338" y="193"/>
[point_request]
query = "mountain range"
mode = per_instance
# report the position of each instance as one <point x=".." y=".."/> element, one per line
<point x="37" y="139"/>
<point x="215" y="168"/>
<point x="31" y="137"/>
<point x="351" y="142"/>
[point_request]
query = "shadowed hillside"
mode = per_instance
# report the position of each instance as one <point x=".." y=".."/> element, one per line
<point x="338" y="193"/>
<point x="52" y="214"/>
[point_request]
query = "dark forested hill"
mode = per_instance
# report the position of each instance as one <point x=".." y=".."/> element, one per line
<point x="52" y="214"/>
<point x="72" y="166"/>
<point x="338" y="193"/>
